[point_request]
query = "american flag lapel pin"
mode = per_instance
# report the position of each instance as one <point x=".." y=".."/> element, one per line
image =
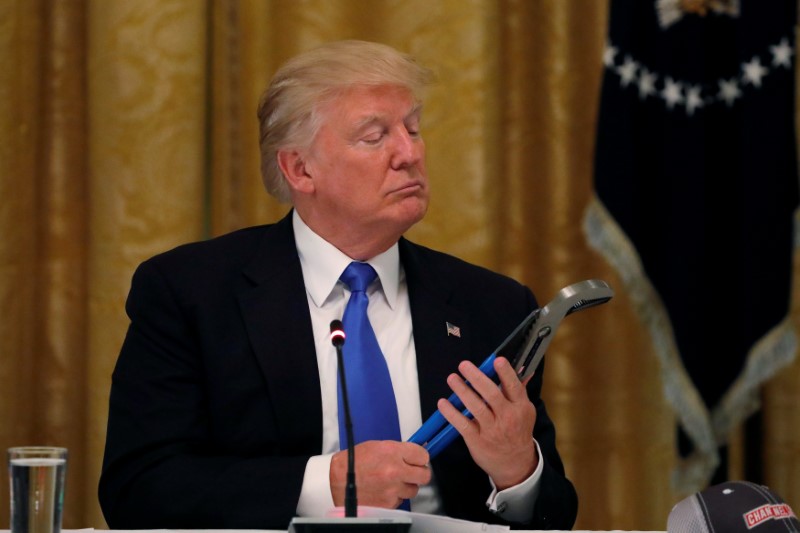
<point x="453" y="330"/>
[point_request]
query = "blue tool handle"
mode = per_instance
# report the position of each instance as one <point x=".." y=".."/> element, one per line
<point x="436" y="421"/>
<point x="487" y="367"/>
<point x="429" y="429"/>
<point x="445" y="438"/>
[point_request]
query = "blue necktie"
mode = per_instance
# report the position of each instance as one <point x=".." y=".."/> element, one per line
<point x="372" y="404"/>
<point x="373" y="407"/>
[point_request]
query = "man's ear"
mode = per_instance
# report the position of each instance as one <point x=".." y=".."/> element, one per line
<point x="293" y="166"/>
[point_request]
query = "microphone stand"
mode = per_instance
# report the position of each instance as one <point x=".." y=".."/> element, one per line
<point x="351" y="521"/>
<point x="350" y="497"/>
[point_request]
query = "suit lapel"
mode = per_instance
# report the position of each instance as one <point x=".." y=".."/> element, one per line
<point x="284" y="346"/>
<point x="430" y="295"/>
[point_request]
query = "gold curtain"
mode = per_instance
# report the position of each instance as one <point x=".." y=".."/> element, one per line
<point x="129" y="127"/>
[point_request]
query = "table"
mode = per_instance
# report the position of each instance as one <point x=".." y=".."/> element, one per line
<point x="92" y="530"/>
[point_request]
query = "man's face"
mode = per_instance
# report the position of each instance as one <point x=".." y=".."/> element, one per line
<point x="367" y="164"/>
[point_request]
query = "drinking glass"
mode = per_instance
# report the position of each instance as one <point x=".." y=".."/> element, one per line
<point x="37" y="475"/>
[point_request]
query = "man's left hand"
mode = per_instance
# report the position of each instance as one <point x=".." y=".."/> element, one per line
<point x="499" y="438"/>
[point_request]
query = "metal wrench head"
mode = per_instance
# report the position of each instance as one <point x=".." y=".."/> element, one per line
<point x="527" y="344"/>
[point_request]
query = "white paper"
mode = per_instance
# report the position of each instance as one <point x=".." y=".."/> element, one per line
<point x="424" y="523"/>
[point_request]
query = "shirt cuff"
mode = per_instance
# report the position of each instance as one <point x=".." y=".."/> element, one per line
<point x="514" y="504"/>
<point x="315" y="494"/>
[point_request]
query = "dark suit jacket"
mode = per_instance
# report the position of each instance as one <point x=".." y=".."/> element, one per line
<point x="215" y="402"/>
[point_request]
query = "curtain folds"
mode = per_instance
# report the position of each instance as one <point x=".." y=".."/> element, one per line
<point x="128" y="128"/>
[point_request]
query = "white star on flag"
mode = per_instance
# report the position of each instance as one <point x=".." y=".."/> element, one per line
<point x="693" y="99"/>
<point x="453" y="330"/>
<point x="754" y="71"/>
<point x="782" y="54"/>
<point x="728" y="91"/>
<point x="608" y="55"/>
<point x="647" y="83"/>
<point x="672" y="92"/>
<point x="627" y="71"/>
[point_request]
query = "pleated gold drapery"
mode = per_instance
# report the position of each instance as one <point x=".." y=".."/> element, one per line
<point x="129" y="127"/>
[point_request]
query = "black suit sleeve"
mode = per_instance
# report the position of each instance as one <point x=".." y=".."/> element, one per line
<point x="166" y="464"/>
<point x="557" y="504"/>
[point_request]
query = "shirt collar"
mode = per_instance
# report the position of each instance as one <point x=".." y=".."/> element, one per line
<point x="323" y="263"/>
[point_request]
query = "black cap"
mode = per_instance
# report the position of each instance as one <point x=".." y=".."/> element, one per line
<point x="733" y="507"/>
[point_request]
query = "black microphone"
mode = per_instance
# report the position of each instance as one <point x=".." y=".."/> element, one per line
<point x="350" y="498"/>
<point x="350" y="522"/>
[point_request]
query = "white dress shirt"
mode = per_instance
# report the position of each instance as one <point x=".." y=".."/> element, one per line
<point x="390" y="315"/>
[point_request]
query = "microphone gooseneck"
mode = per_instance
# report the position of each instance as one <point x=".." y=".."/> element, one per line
<point x="350" y="499"/>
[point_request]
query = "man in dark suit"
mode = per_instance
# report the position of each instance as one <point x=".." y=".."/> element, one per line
<point x="223" y="410"/>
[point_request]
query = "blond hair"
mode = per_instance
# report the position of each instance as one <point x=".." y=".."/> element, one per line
<point x="288" y="109"/>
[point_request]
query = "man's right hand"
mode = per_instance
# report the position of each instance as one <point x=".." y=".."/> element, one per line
<point x="387" y="472"/>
